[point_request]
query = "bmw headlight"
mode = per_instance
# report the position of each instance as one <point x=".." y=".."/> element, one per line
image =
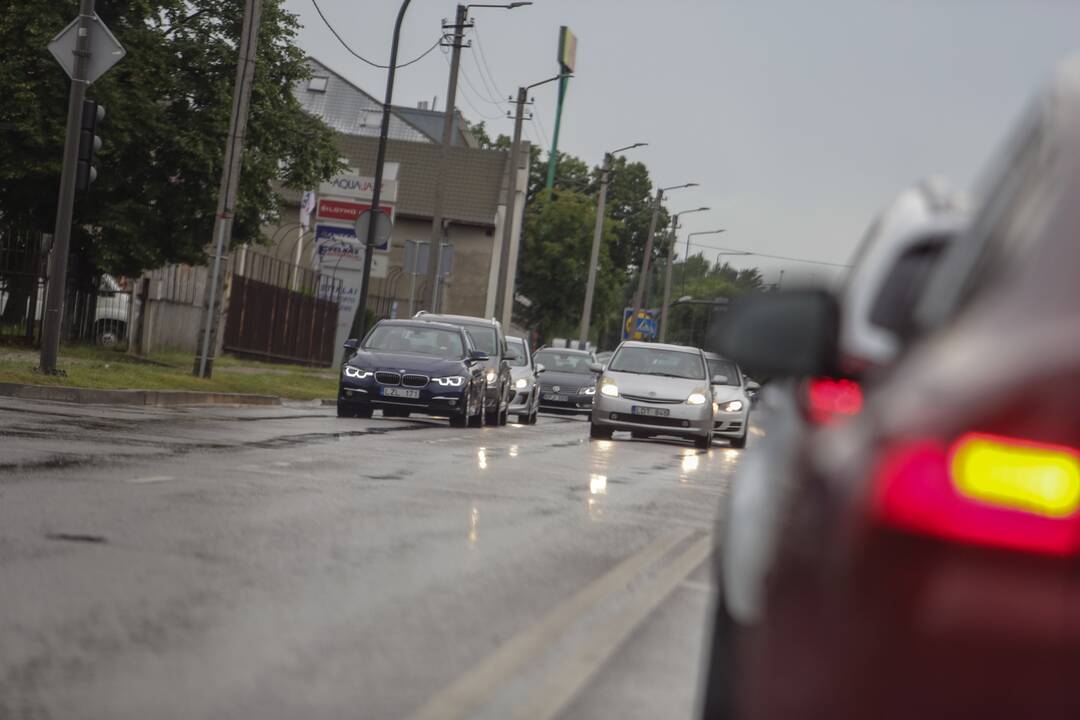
<point x="452" y="381"/>
<point x="590" y="390"/>
<point x="521" y="384"/>
<point x="609" y="388"/>
<point x="356" y="373"/>
<point x="697" y="398"/>
<point x="732" y="406"/>
<point x="492" y="376"/>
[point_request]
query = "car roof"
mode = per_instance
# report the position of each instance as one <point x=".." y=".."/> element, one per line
<point x="661" y="346"/>
<point x="571" y="351"/>
<point x="456" y="319"/>
<point x="405" y="322"/>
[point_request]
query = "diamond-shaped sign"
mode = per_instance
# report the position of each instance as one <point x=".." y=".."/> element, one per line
<point x="105" y="50"/>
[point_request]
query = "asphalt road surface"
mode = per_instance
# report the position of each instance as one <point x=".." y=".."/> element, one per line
<point x="284" y="563"/>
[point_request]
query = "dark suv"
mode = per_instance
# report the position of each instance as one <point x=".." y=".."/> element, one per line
<point x="404" y="366"/>
<point x="486" y="336"/>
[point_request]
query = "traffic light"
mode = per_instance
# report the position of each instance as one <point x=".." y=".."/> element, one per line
<point x="89" y="143"/>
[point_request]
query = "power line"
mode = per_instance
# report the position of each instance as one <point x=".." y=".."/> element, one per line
<point x="489" y="88"/>
<point x="360" y="57"/>
<point x="540" y="124"/>
<point x="484" y="96"/>
<point x="735" y="251"/>
<point x="465" y="97"/>
<point x="480" y="47"/>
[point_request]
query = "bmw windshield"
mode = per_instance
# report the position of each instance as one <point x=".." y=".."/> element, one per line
<point x="413" y="339"/>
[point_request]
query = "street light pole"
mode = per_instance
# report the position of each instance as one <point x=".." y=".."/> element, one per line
<point x="359" y="320"/>
<point x="644" y="272"/>
<point x="504" y="307"/>
<point x="667" y="271"/>
<point x="687" y="256"/>
<point x="594" y="257"/>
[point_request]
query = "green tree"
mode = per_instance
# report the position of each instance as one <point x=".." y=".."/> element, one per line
<point x="168" y="103"/>
<point x="558" y="240"/>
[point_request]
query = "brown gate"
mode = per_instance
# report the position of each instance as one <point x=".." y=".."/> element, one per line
<point x="272" y="322"/>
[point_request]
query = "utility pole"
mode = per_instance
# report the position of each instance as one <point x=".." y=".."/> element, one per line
<point x="598" y="231"/>
<point x="359" y="320"/>
<point x="230" y="181"/>
<point x="644" y="273"/>
<point x="667" y="270"/>
<point x="504" y="307"/>
<point x="437" y="232"/>
<point x="54" y="297"/>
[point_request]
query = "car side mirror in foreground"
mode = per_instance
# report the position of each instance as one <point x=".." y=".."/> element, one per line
<point x="511" y="356"/>
<point x="478" y="356"/>
<point x="540" y="368"/>
<point x="787" y="334"/>
<point x="719" y="379"/>
<point x="352" y="344"/>
<point x="596" y="368"/>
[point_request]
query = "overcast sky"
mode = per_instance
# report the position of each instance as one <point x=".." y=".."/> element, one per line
<point x="800" y="119"/>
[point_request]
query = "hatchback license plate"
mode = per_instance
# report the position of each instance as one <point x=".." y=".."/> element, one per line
<point x="655" y="412"/>
<point x="555" y="398"/>
<point x="401" y="392"/>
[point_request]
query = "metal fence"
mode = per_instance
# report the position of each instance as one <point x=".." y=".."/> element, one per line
<point x="268" y="319"/>
<point x="22" y="289"/>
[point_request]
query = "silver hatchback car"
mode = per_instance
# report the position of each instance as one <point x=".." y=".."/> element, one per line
<point x="654" y="389"/>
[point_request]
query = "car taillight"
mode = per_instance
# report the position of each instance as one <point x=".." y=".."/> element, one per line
<point x="829" y="399"/>
<point x="984" y="490"/>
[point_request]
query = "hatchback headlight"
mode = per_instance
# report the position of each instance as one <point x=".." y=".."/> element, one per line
<point x="356" y="373"/>
<point x="732" y="406"/>
<point x="452" y="381"/>
<point x="521" y="384"/>
<point x="492" y="376"/>
<point x="588" y="390"/>
<point x="609" y="388"/>
<point x="697" y="398"/>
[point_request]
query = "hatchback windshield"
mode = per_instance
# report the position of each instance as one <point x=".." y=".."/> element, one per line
<point x="653" y="361"/>
<point x="517" y="347"/>
<point x="567" y="362"/>
<point x="412" y="339"/>
<point x="719" y="366"/>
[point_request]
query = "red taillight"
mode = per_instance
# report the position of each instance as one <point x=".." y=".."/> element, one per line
<point x="829" y="399"/>
<point x="984" y="490"/>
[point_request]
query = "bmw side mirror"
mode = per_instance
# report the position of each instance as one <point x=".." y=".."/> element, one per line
<point x="596" y="368"/>
<point x="540" y="368"/>
<point x="352" y="344"/>
<point x="479" y="356"/>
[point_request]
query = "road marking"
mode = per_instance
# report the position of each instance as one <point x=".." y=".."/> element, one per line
<point x="151" y="479"/>
<point x="575" y="672"/>
<point x="461" y="698"/>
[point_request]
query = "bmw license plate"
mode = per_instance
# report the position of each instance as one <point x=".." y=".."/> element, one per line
<point x="401" y="393"/>
<point x="655" y="412"/>
<point x="554" y="398"/>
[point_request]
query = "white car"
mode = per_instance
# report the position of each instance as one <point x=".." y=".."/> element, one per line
<point x="111" y="311"/>
<point x="891" y="268"/>
<point x="731" y="404"/>
<point x="654" y="389"/>
<point x="524" y="374"/>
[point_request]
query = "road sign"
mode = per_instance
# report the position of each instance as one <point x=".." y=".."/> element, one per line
<point x="383" y="227"/>
<point x="356" y="187"/>
<point x="105" y="50"/>
<point x="416" y="257"/>
<point x="645" y="328"/>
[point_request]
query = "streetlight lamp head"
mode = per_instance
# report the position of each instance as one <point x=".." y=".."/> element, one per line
<point x="513" y="5"/>
<point x="685" y="298"/>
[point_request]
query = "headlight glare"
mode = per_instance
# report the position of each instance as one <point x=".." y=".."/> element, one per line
<point x="609" y="388"/>
<point x="492" y="376"/>
<point x="356" y="373"/>
<point x="732" y="406"/>
<point x="521" y="384"/>
<point x="696" y="398"/>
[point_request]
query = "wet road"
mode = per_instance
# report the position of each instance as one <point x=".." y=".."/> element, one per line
<point x="284" y="563"/>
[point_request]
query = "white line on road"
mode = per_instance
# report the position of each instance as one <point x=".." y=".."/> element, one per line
<point x="575" y="672"/>
<point x="461" y="698"/>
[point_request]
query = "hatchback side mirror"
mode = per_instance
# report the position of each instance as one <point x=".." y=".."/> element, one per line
<point x="596" y="368"/>
<point x="352" y="344"/>
<point x="788" y="333"/>
<point x="540" y="368"/>
<point x="511" y="356"/>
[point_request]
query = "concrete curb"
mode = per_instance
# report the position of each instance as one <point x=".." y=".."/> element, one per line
<point x="89" y="396"/>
